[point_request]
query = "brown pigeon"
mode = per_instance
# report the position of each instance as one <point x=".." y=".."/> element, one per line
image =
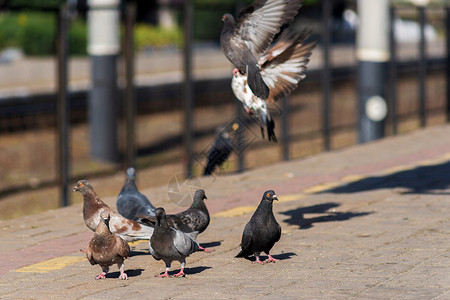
<point x="92" y="207"/>
<point x="245" y="39"/>
<point x="283" y="65"/>
<point x="106" y="249"/>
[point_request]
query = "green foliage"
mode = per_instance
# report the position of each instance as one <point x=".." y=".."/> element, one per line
<point x="33" y="4"/>
<point x="147" y="36"/>
<point x="35" y="33"/>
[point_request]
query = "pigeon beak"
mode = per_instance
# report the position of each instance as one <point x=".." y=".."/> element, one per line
<point x="275" y="197"/>
<point x="223" y="18"/>
<point x="75" y="189"/>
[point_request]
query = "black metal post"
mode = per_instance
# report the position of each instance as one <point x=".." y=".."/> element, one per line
<point x="422" y="67"/>
<point x="63" y="115"/>
<point x="240" y="147"/>
<point x="326" y="71"/>
<point x="285" y="129"/>
<point x="448" y="61"/>
<point x="188" y="88"/>
<point x="393" y="73"/>
<point x="130" y="99"/>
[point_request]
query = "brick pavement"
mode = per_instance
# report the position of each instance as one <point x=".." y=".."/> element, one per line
<point x="369" y="221"/>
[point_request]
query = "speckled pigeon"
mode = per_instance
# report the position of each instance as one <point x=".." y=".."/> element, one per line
<point x="262" y="231"/>
<point x="107" y="249"/>
<point x="245" y="39"/>
<point x="131" y="202"/>
<point x="283" y="65"/>
<point x="127" y="229"/>
<point x="170" y="244"/>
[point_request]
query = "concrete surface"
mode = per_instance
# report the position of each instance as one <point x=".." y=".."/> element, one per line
<point x="370" y="222"/>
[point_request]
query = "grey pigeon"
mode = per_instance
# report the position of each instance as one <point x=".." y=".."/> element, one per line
<point x="245" y="39"/>
<point x="170" y="244"/>
<point x="283" y="65"/>
<point x="130" y="201"/>
<point x="262" y="231"/>
<point x="192" y="221"/>
<point x="127" y="229"/>
<point x="221" y="149"/>
<point x="107" y="249"/>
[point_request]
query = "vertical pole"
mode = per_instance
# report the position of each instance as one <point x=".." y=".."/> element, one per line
<point x="326" y="71"/>
<point x="422" y="66"/>
<point x="63" y="115"/>
<point x="240" y="137"/>
<point x="393" y="72"/>
<point x="373" y="55"/>
<point x="188" y="88"/>
<point x="130" y="99"/>
<point x="448" y="61"/>
<point x="285" y="129"/>
<point x="103" y="48"/>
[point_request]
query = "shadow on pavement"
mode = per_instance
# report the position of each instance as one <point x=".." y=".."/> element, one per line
<point x="211" y="244"/>
<point x="297" y="215"/>
<point x="431" y="179"/>
<point x="282" y="256"/>
<point x="130" y="273"/>
<point x="194" y="270"/>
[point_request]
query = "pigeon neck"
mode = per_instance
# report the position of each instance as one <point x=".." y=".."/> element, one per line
<point x="266" y="205"/>
<point x="162" y="223"/>
<point x="130" y="184"/>
<point x="198" y="204"/>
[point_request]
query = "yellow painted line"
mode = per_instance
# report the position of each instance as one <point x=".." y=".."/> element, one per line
<point x="352" y="178"/>
<point x="290" y="197"/>
<point x="134" y="243"/>
<point x="237" y="211"/>
<point x="321" y="187"/>
<point x="52" y="264"/>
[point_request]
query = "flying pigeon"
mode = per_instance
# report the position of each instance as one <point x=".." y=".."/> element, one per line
<point x="245" y="39"/>
<point x="106" y="249"/>
<point x="130" y="201"/>
<point x="170" y="244"/>
<point x="221" y="149"/>
<point x="127" y="229"/>
<point x="262" y="231"/>
<point x="283" y="65"/>
<point x="192" y="221"/>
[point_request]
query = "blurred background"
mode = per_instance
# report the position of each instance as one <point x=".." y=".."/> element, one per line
<point x="163" y="85"/>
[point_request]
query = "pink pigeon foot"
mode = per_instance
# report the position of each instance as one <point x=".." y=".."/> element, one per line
<point x="102" y="275"/>
<point x="166" y="274"/>
<point x="258" y="261"/>
<point x="180" y="274"/>
<point x="236" y="72"/>
<point x="123" y="276"/>
<point x="81" y="250"/>
<point x="271" y="259"/>
<point x="204" y="249"/>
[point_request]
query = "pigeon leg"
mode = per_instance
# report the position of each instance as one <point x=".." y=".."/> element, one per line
<point x="166" y="274"/>
<point x="271" y="259"/>
<point x="204" y="249"/>
<point x="122" y="275"/>
<point x="236" y="72"/>
<point x="81" y="250"/>
<point x="105" y="270"/>
<point x="181" y="273"/>
<point x="258" y="261"/>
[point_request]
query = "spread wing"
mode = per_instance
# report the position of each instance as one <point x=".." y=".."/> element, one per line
<point x="261" y="21"/>
<point x="284" y="64"/>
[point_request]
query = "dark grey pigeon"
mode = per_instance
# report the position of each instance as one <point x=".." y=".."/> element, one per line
<point x="221" y="149"/>
<point x="250" y="35"/>
<point x="192" y="221"/>
<point x="262" y="231"/>
<point x="170" y="244"/>
<point x="130" y="202"/>
<point x="107" y="249"/>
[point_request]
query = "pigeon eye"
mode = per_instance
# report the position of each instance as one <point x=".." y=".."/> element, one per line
<point x="267" y="195"/>
<point x="81" y="184"/>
